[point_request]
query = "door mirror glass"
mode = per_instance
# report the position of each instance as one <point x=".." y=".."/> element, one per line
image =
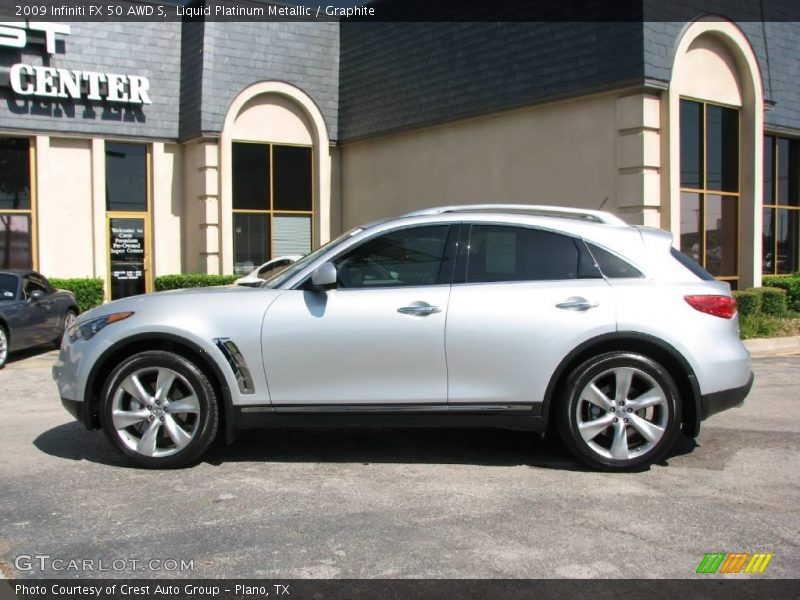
<point x="36" y="295"/>
<point x="324" y="276"/>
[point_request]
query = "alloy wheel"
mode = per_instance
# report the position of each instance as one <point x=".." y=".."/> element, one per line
<point x="622" y="413"/>
<point x="3" y="347"/>
<point x="155" y="411"/>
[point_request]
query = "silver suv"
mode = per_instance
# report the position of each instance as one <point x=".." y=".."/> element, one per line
<point x="532" y="318"/>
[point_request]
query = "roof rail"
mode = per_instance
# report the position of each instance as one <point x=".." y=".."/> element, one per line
<point x="597" y="216"/>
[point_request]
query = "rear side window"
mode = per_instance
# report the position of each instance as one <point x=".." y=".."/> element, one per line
<point x="691" y="265"/>
<point x="505" y="253"/>
<point x="611" y="265"/>
<point x="8" y="287"/>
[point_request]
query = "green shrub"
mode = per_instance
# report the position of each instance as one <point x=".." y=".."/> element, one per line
<point x="192" y="280"/>
<point x="88" y="291"/>
<point x="748" y="303"/>
<point x="773" y="300"/>
<point x="790" y="283"/>
<point x="759" y="326"/>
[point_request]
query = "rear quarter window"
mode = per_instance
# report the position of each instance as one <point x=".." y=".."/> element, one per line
<point x="692" y="265"/>
<point x="611" y="265"/>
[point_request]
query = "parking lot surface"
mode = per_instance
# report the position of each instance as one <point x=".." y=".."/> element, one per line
<point x="373" y="503"/>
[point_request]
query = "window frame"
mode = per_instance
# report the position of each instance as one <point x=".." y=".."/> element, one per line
<point x="704" y="191"/>
<point x="31" y="212"/>
<point x="271" y="212"/>
<point x="776" y="206"/>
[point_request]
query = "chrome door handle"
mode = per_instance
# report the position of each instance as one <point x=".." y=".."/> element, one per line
<point x="419" y="310"/>
<point x="576" y="303"/>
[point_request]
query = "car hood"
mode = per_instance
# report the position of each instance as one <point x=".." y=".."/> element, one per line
<point x="224" y="300"/>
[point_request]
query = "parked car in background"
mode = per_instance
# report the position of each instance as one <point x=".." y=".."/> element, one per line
<point x="532" y="318"/>
<point x="32" y="312"/>
<point x="270" y="268"/>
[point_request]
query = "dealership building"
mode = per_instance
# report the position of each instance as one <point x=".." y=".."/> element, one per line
<point x="132" y="150"/>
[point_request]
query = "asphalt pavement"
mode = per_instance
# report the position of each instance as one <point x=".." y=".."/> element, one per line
<point x="323" y="503"/>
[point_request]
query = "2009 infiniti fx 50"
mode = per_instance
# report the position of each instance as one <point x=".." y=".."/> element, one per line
<point x="509" y="316"/>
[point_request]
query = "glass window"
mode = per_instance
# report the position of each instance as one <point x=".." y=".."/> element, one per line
<point x="709" y="209"/>
<point x="8" y="287"/>
<point x="721" y="232"/>
<point x="250" y="241"/>
<point x="15" y="174"/>
<point x="15" y="241"/>
<point x="722" y="149"/>
<point x="691" y="144"/>
<point x="291" y="167"/>
<point x="781" y="212"/>
<point x="505" y="253"/>
<point x="691" y="264"/>
<point x="126" y="177"/>
<point x="611" y="265"/>
<point x="272" y="202"/>
<point x="251" y="186"/>
<point x="32" y="284"/>
<point x="408" y="257"/>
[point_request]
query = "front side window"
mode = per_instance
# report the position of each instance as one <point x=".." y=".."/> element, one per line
<point x="8" y="287"/>
<point x="505" y="253"/>
<point x="16" y="207"/>
<point x="408" y="257"/>
<point x="709" y="168"/>
<point x="273" y="202"/>
<point x="33" y="284"/>
<point x="781" y="211"/>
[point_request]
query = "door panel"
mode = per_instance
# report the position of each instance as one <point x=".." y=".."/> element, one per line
<point x="352" y="346"/>
<point x="504" y="341"/>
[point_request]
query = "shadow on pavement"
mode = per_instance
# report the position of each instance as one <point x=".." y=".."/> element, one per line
<point x="21" y="355"/>
<point x="489" y="447"/>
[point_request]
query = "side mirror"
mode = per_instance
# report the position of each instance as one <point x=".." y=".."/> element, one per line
<point x="36" y="295"/>
<point x="324" y="276"/>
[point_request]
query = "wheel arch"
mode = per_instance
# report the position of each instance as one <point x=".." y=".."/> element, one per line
<point x="630" y="341"/>
<point x="166" y="342"/>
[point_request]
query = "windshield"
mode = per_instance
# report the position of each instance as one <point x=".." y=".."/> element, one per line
<point x="8" y="287"/>
<point x="280" y="278"/>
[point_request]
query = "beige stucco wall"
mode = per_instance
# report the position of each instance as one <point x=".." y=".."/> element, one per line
<point x="562" y="153"/>
<point x="167" y="209"/>
<point x="64" y="202"/>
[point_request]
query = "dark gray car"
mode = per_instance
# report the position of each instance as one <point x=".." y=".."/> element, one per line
<point x="32" y="312"/>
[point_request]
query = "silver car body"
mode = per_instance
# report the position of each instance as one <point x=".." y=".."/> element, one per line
<point x="487" y="346"/>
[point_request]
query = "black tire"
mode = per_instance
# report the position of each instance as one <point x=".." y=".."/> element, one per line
<point x="190" y="389"/>
<point x="5" y="344"/>
<point x="631" y="441"/>
<point x="71" y="313"/>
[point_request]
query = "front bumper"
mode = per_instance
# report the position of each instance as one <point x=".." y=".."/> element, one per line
<point x="711" y="404"/>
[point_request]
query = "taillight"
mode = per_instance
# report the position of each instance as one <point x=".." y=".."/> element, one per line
<point x="719" y="306"/>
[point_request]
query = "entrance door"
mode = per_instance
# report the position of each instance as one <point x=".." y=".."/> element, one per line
<point x="128" y="256"/>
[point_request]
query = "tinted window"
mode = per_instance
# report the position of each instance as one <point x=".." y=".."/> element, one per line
<point x="407" y="257"/>
<point x="32" y="284"/>
<point x="292" y="171"/>
<point x="504" y="253"/>
<point x="250" y="179"/>
<point x="691" y="265"/>
<point x="126" y="177"/>
<point x="8" y="287"/>
<point x="722" y="149"/>
<point x="15" y="174"/>
<point x="612" y="266"/>
<point x="691" y="144"/>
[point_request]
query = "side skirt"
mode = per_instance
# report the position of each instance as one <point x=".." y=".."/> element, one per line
<point x="517" y="417"/>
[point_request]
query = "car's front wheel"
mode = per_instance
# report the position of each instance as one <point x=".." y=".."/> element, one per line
<point x="620" y="411"/>
<point x="3" y="347"/>
<point x="159" y="409"/>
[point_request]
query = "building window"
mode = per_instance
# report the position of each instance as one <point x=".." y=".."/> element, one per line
<point x="128" y="220"/>
<point x="710" y="187"/>
<point x="272" y="202"/>
<point x="16" y="204"/>
<point x="781" y="218"/>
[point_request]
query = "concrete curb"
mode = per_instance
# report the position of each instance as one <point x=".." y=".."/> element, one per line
<point x="779" y="346"/>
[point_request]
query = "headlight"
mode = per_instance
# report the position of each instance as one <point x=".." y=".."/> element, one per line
<point x="88" y="329"/>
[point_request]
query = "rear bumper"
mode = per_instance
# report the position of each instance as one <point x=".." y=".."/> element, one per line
<point x="711" y="404"/>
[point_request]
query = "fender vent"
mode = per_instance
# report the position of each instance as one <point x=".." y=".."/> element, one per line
<point x="237" y="363"/>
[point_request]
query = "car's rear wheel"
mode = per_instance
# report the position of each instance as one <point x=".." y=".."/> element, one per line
<point x="160" y="410"/>
<point x="620" y="411"/>
<point x="3" y="347"/>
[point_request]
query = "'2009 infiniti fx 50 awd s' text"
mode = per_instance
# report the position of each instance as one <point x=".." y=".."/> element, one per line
<point x="509" y="316"/>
